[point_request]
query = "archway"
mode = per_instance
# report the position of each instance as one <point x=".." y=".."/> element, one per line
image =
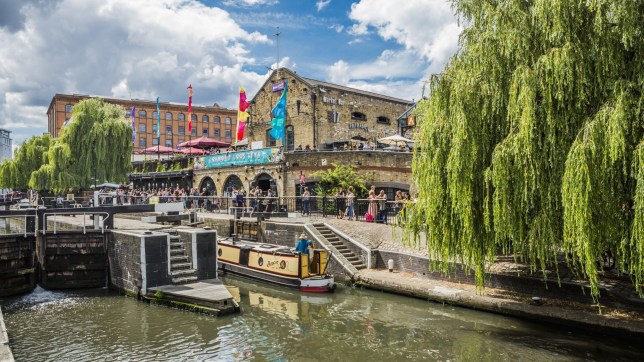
<point x="232" y="181"/>
<point x="265" y="182"/>
<point x="208" y="183"/>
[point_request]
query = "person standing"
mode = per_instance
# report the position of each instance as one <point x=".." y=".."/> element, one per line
<point x="351" y="199"/>
<point x="382" y="206"/>
<point x="340" y="202"/>
<point x="372" y="210"/>
<point x="306" y="202"/>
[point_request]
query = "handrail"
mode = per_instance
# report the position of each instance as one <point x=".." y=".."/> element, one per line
<point x="25" y="216"/>
<point x="44" y="230"/>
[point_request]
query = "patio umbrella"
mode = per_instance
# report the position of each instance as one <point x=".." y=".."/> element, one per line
<point x="395" y="140"/>
<point x="203" y="142"/>
<point x="157" y="149"/>
<point x="192" y="151"/>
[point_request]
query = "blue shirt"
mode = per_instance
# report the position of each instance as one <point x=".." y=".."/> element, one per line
<point x="303" y="246"/>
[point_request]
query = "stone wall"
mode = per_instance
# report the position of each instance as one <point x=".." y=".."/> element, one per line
<point x="17" y="269"/>
<point x="204" y="250"/>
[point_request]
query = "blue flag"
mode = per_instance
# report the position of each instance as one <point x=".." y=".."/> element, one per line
<point x="133" y="126"/>
<point x="158" y="120"/>
<point x="279" y="116"/>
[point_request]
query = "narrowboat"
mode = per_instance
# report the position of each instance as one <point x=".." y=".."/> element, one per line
<point x="276" y="264"/>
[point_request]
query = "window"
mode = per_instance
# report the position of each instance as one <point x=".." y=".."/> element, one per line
<point x="204" y="119"/>
<point x="155" y="142"/>
<point x="194" y="132"/>
<point x="168" y="129"/>
<point x="193" y="117"/>
<point x="168" y="143"/>
<point x="182" y="130"/>
<point x="141" y="127"/>
<point x="143" y="142"/>
<point x="382" y="119"/>
<point x="154" y="128"/>
<point x="289" y="137"/>
<point x="204" y="132"/>
<point x="168" y="116"/>
<point x="181" y="117"/>
<point x="228" y="133"/>
<point x="217" y="133"/>
<point x="128" y="113"/>
<point x="143" y="114"/>
<point x="69" y="108"/>
<point x="270" y="141"/>
<point x="298" y="104"/>
<point x="217" y="120"/>
<point x="358" y="116"/>
<point x="155" y="114"/>
<point x="228" y="120"/>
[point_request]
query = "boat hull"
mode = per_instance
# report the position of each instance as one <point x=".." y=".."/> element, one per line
<point x="321" y="284"/>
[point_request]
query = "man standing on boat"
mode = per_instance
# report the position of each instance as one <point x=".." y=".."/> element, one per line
<point x="303" y="244"/>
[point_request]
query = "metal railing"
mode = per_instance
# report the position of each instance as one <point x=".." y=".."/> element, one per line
<point x="24" y="231"/>
<point x="105" y="215"/>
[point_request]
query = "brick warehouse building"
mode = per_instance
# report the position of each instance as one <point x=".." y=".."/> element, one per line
<point x="214" y="122"/>
<point x="321" y="114"/>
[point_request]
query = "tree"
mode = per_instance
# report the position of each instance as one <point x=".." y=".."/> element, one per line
<point x="96" y="140"/>
<point x="531" y="138"/>
<point x="340" y="175"/>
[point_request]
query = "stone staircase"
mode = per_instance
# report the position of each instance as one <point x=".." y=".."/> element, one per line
<point x="340" y="245"/>
<point x="180" y="262"/>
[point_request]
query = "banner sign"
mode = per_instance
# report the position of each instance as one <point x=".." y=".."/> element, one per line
<point x="277" y="87"/>
<point x="239" y="158"/>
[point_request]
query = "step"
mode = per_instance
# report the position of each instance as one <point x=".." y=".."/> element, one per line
<point x="179" y="259"/>
<point x="184" y="280"/>
<point x="352" y="259"/>
<point x="182" y="273"/>
<point x="359" y="266"/>
<point x="179" y="266"/>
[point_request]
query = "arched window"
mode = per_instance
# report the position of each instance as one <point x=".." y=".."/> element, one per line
<point x="217" y="120"/>
<point x="168" y="116"/>
<point x="143" y="114"/>
<point x="228" y="120"/>
<point x="270" y="141"/>
<point x="358" y="116"/>
<point x="69" y="108"/>
<point x="194" y="117"/>
<point x="382" y="119"/>
<point x="289" y="137"/>
<point x="204" y="119"/>
<point x="181" y="117"/>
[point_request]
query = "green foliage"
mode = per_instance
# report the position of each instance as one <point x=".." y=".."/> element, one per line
<point x="340" y="175"/>
<point x="98" y="135"/>
<point x="528" y="138"/>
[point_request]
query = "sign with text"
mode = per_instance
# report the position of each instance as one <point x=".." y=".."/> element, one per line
<point x="276" y="87"/>
<point x="239" y="158"/>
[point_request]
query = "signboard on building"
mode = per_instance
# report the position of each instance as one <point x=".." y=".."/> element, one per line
<point x="411" y="121"/>
<point x="239" y="158"/>
<point x="276" y="87"/>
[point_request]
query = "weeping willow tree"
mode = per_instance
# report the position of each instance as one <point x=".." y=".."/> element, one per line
<point x="531" y="138"/>
<point x="98" y="140"/>
<point x="28" y="158"/>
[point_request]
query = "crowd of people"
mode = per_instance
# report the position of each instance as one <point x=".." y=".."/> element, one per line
<point x="377" y="204"/>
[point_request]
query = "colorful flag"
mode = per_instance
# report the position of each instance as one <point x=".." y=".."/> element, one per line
<point x="190" y="109"/>
<point x="279" y="115"/>
<point x="158" y="120"/>
<point x="133" y="126"/>
<point x="242" y="115"/>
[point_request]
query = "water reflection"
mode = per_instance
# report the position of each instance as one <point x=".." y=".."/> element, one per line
<point x="279" y="324"/>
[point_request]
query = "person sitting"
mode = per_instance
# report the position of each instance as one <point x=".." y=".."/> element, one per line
<point x="307" y="148"/>
<point x="299" y="148"/>
<point x="361" y="146"/>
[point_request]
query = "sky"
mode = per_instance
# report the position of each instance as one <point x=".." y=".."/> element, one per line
<point x="143" y="49"/>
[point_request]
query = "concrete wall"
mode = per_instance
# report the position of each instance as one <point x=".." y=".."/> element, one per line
<point x="203" y="248"/>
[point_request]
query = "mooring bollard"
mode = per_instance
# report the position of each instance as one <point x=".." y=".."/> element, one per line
<point x="390" y="265"/>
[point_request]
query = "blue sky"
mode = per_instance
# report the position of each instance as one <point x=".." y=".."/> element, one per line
<point x="148" y="48"/>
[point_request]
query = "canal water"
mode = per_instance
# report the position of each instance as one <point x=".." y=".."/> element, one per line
<point x="283" y="325"/>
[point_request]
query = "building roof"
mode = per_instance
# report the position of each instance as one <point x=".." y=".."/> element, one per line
<point x="321" y="85"/>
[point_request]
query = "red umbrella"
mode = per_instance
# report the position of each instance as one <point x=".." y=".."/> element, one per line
<point x="203" y="142"/>
<point x="192" y="151"/>
<point x="157" y="149"/>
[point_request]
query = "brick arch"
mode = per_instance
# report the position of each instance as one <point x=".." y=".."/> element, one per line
<point x="208" y="182"/>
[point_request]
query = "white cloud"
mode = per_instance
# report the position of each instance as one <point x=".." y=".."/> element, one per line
<point x="337" y="27"/>
<point x="249" y="3"/>
<point x="321" y="4"/>
<point x="118" y="48"/>
<point x="427" y="27"/>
